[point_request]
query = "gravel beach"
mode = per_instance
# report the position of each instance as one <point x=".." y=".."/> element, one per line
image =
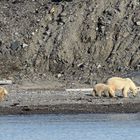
<point x="44" y="101"/>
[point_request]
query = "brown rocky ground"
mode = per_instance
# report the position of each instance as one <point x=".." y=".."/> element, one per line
<point x="58" y="44"/>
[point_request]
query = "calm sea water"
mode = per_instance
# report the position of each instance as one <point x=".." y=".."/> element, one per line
<point x="71" y="127"/>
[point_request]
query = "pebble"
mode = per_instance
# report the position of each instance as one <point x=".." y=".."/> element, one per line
<point x="59" y="75"/>
<point x="97" y="29"/>
<point x="63" y="14"/>
<point x="138" y="23"/>
<point x="80" y="65"/>
<point x="33" y="33"/>
<point x="99" y="66"/>
<point x="24" y="45"/>
<point x="15" y="45"/>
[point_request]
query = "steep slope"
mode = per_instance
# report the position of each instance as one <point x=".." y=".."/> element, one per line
<point x="82" y="40"/>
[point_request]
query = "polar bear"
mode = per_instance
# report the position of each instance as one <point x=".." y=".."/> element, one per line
<point x="3" y="93"/>
<point x="100" y="89"/>
<point x="124" y="84"/>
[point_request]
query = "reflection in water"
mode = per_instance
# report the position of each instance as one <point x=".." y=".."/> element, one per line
<point x="71" y="127"/>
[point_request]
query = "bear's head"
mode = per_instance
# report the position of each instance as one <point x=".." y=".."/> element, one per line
<point x="133" y="87"/>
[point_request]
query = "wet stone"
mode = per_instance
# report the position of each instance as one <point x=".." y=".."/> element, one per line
<point x="15" y="45"/>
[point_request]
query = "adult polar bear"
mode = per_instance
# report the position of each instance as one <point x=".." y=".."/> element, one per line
<point x="125" y="84"/>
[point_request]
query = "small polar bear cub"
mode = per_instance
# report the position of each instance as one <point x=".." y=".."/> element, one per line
<point x="124" y="84"/>
<point x="3" y="93"/>
<point x="100" y="89"/>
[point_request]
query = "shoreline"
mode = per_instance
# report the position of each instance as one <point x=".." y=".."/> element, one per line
<point x="69" y="109"/>
<point x="37" y="101"/>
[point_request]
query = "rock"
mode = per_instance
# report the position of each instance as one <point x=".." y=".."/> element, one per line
<point x="73" y="32"/>
<point x="33" y="33"/>
<point x="15" y="45"/>
<point x="59" y="75"/>
<point x="81" y="65"/>
<point x="138" y="23"/>
<point x="24" y="45"/>
<point x="14" y="1"/>
<point x="99" y="66"/>
<point x="0" y="43"/>
<point x="135" y="76"/>
<point x="63" y="14"/>
<point x="97" y="28"/>
<point x="5" y="82"/>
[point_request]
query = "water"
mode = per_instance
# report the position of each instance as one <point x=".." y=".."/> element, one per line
<point x="71" y="127"/>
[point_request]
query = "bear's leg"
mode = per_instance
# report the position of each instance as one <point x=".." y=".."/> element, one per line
<point x="106" y="93"/>
<point x="93" y="92"/>
<point x="134" y="94"/>
<point x="125" y="90"/>
<point x="99" y="93"/>
<point x="112" y="93"/>
<point x="1" y="98"/>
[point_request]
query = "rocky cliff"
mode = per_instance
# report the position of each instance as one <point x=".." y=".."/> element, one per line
<point x="72" y="39"/>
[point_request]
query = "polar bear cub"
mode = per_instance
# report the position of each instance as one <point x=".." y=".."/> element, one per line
<point x="124" y="84"/>
<point x="3" y="93"/>
<point x="100" y="89"/>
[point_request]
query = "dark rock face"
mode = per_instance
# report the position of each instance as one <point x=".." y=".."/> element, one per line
<point x="135" y="76"/>
<point x="81" y="39"/>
